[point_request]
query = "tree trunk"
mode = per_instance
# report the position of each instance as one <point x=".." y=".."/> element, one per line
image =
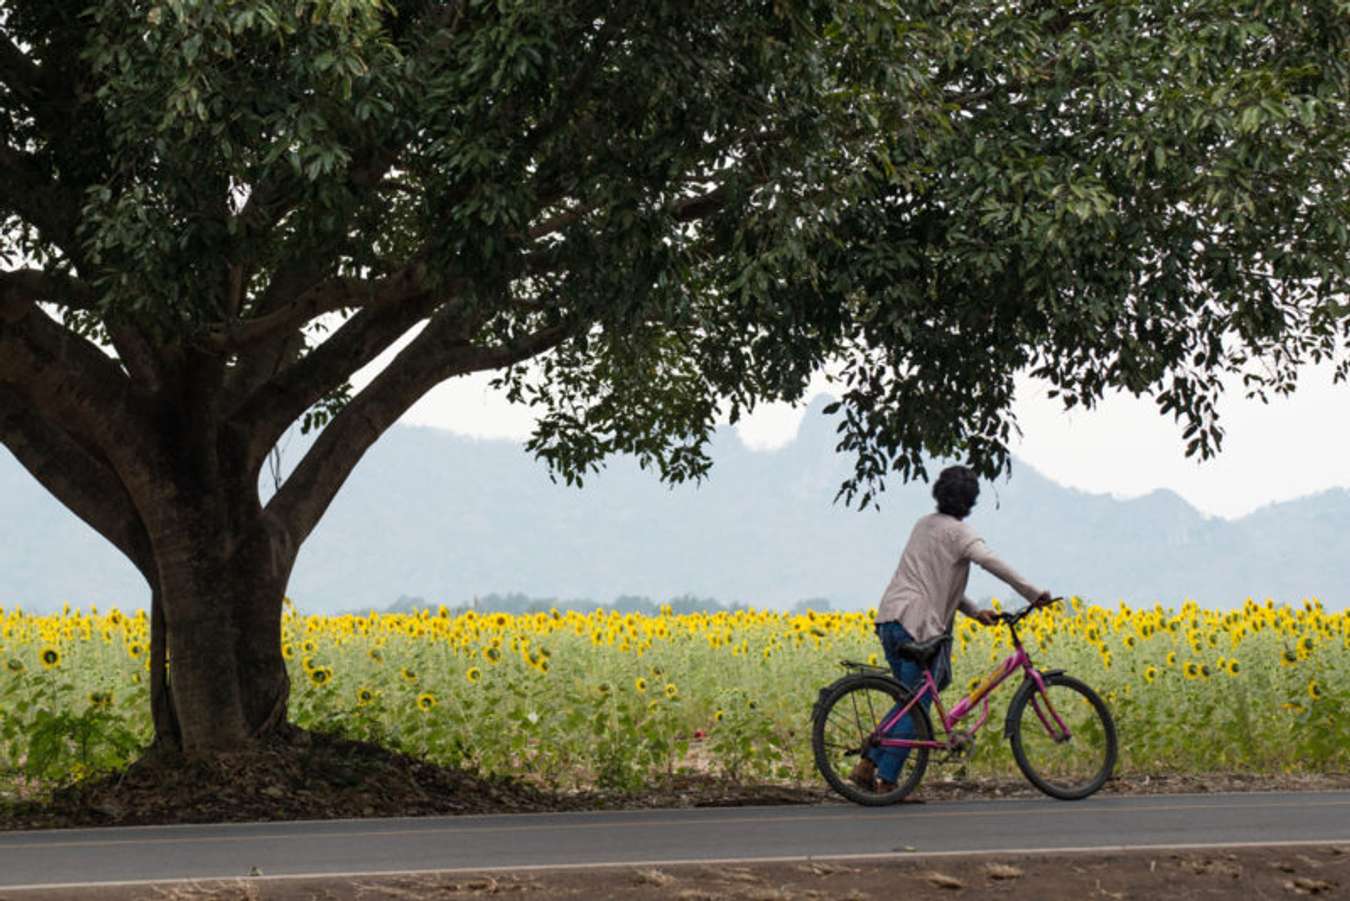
<point x="216" y="621"/>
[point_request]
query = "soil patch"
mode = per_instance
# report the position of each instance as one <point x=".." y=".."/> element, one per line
<point x="320" y="776"/>
<point x="1270" y="873"/>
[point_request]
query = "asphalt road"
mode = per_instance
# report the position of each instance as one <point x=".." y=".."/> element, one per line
<point x="135" y="854"/>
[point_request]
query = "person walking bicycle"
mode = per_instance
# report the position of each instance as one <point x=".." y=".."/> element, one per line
<point x="920" y="603"/>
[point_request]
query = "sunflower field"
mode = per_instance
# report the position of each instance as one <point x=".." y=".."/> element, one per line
<point x="611" y="700"/>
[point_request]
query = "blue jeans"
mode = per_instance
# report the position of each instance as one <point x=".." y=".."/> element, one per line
<point x="889" y="761"/>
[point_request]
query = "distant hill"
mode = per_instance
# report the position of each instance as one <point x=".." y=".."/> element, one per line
<point x="432" y="515"/>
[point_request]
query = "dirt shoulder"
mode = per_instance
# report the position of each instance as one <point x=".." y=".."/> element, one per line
<point x="1272" y="873"/>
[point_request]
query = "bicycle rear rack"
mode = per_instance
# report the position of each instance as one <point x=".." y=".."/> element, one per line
<point x="865" y="668"/>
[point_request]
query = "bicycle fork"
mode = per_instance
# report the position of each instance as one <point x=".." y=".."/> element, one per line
<point x="1054" y="724"/>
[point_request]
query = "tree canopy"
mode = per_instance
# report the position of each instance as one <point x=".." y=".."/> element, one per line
<point x="688" y="201"/>
<point x="640" y="215"/>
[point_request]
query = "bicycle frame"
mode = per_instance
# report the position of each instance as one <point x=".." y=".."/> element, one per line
<point x="1019" y="659"/>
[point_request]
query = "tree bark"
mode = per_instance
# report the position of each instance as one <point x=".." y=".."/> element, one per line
<point x="218" y="678"/>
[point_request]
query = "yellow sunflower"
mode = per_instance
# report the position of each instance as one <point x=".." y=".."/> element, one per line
<point x="321" y="675"/>
<point x="473" y="675"/>
<point x="426" y="701"/>
<point x="50" y="657"/>
<point x="364" y="696"/>
<point x="640" y="684"/>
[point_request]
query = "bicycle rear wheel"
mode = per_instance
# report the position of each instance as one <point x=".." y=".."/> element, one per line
<point x="844" y="721"/>
<point x="1066" y="766"/>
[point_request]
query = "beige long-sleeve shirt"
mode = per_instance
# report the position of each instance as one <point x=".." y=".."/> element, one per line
<point x="930" y="582"/>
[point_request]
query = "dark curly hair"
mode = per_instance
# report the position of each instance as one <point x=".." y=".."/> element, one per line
<point x="955" y="491"/>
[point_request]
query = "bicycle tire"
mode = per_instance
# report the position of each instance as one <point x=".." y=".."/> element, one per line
<point x="825" y="742"/>
<point x="1034" y="774"/>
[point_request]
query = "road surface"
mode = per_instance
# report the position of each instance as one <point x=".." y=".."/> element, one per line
<point x="651" y="837"/>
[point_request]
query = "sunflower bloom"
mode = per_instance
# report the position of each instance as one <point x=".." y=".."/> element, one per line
<point x="473" y="675"/>
<point x="426" y="701"/>
<point x="50" y="657"/>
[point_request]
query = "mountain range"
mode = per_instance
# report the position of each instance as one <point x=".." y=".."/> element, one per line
<point x="434" y="515"/>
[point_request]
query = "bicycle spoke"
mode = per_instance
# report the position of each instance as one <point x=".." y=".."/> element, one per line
<point x="1063" y="739"/>
<point x="841" y="732"/>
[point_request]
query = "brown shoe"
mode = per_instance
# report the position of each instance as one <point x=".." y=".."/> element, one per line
<point x="864" y="774"/>
<point x="884" y="787"/>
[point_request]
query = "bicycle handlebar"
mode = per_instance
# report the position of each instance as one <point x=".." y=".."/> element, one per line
<point x="1011" y="618"/>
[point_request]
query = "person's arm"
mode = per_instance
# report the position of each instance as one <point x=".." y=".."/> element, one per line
<point x="978" y="552"/>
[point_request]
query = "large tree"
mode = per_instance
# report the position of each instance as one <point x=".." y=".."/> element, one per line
<point x="638" y="213"/>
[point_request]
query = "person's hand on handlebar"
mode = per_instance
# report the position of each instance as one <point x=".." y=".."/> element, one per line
<point x="987" y="617"/>
<point x="1044" y="599"/>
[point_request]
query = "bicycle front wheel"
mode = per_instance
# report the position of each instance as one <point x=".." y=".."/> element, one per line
<point x="1064" y="739"/>
<point x="845" y="720"/>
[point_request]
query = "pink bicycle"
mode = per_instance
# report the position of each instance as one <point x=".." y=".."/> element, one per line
<point x="1062" y="734"/>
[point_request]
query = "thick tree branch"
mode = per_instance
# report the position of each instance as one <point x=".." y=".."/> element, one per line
<point x="259" y="360"/>
<point x="65" y="375"/>
<point x="268" y="411"/>
<point x="328" y="297"/>
<point x="138" y="356"/>
<point x="441" y="351"/>
<point x="20" y="74"/>
<point x="86" y="484"/>
<point x="44" y="204"/>
<point x="21" y="287"/>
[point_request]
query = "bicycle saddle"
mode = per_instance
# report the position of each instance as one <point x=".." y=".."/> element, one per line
<point x="922" y="652"/>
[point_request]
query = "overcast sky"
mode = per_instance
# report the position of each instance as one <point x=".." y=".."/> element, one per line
<point x="1289" y="448"/>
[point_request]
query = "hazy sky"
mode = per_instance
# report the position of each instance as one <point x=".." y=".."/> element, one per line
<point x="1286" y="449"/>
